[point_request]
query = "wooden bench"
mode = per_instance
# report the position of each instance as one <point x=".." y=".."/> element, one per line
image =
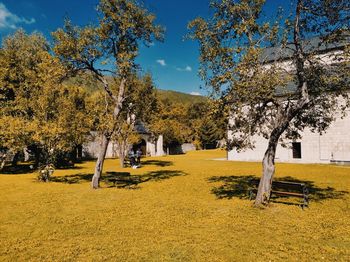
<point x="283" y="188"/>
<point x="127" y="162"/>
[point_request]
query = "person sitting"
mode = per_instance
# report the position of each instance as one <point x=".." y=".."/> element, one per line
<point x="131" y="156"/>
<point x="138" y="156"/>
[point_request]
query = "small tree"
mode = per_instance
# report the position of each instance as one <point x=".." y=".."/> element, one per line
<point x="123" y="25"/>
<point x="207" y="124"/>
<point x="62" y="122"/>
<point x="169" y="120"/>
<point x="257" y="87"/>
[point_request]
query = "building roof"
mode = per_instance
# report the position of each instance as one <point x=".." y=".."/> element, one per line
<point x="141" y="129"/>
<point x="272" y="54"/>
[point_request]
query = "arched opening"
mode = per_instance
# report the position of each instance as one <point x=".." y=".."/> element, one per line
<point x="141" y="145"/>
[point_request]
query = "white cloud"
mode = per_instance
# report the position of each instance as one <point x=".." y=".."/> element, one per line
<point x="161" y="62"/>
<point x="186" y="69"/>
<point x="9" y="20"/>
<point x="195" y="94"/>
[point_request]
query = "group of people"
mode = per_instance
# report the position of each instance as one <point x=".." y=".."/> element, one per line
<point x="135" y="157"/>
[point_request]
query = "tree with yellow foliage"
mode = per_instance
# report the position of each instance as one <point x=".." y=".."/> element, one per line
<point x="170" y="120"/>
<point x="37" y="109"/>
<point x="123" y="25"/>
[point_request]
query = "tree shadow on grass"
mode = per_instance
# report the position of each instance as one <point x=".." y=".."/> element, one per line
<point x="19" y="169"/>
<point x="232" y="186"/>
<point x="27" y="168"/>
<point x="69" y="168"/>
<point x="120" y="179"/>
<point x="239" y="186"/>
<point x="72" y="179"/>
<point x="157" y="163"/>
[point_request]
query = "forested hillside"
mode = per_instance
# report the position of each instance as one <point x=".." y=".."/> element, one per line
<point x="178" y="97"/>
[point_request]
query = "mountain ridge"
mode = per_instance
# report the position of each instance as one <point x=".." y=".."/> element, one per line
<point x="179" y="97"/>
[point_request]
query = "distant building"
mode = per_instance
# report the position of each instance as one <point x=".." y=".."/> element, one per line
<point x="150" y="144"/>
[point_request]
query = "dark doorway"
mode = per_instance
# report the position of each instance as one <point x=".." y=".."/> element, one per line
<point x="296" y="147"/>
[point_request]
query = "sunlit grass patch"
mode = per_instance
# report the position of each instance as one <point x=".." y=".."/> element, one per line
<point x="176" y="208"/>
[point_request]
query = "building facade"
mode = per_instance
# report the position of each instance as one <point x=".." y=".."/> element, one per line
<point x="331" y="147"/>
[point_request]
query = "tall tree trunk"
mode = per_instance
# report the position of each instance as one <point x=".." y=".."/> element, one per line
<point x="15" y="159"/>
<point x="121" y="148"/>
<point x="37" y="153"/>
<point x="122" y="161"/>
<point x="3" y="160"/>
<point x="282" y="123"/>
<point x="264" y="190"/>
<point x="100" y="160"/>
<point x="123" y="141"/>
<point x="107" y="136"/>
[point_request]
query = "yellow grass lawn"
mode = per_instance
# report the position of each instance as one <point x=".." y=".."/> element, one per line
<point x="185" y="208"/>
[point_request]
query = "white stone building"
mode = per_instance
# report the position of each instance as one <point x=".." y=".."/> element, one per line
<point x="330" y="147"/>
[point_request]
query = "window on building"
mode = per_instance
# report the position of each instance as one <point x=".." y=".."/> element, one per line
<point x="296" y="146"/>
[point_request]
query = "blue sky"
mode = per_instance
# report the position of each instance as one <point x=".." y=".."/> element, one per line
<point x="173" y="64"/>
